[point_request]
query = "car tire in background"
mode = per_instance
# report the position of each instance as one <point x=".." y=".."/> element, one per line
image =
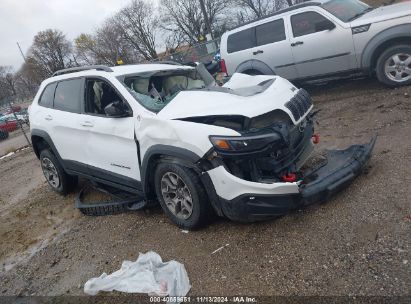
<point x="394" y="66"/>
<point x="182" y="196"/>
<point x="3" y="135"/>
<point x="55" y="175"/>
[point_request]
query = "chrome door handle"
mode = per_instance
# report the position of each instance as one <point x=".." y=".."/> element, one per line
<point x="258" y="52"/>
<point x="297" y="43"/>
<point x="48" y="117"/>
<point x="87" y="124"/>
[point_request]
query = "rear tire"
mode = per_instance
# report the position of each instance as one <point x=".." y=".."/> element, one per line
<point x="58" y="180"/>
<point x="394" y="66"/>
<point x="182" y="196"/>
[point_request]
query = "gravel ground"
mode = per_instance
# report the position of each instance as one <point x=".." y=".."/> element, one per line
<point x="357" y="244"/>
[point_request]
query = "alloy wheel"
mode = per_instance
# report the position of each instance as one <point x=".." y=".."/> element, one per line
<point x="398" y="67"/>
<point x="50" y="172"/>
<point x="176" y="195"/>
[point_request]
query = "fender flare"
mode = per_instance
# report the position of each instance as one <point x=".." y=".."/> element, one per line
<point x="254" y="64"/>
<point x="46" y="137"/>
<point x="155" y="151"/>
<point x="181" y="157"/>
<point x="382" y="37"/>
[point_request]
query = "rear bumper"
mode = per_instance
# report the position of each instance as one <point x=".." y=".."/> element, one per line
<point x="271" y="200"/>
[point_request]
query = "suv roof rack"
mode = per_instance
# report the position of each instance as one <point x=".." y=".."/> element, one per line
<point x="83" y="68"/>
<point x="171" y="62"/>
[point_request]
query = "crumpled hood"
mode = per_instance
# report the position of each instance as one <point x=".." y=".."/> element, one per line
<point x="384" y="13"/>
<point x="200" y="103"/>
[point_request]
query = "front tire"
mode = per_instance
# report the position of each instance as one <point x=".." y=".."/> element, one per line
<point x="58" y="180"/>
<point x="182" y="196"/>
<point x="394" y="66"/>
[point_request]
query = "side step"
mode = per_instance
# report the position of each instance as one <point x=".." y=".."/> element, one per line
<point x="122" y="201"/>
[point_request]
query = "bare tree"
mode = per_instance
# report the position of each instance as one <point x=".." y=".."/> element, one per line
<point x="106" y="46"/>
<point x="253" y="9"/>
<point x="139" y="25"/>
<point x="85" y="49"/>
<point x="50" y="51"/>
<point x="7" y="81"/>
<point x="186" y="17"/>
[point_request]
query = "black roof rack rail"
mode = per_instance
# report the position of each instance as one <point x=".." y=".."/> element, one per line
<point x="171" y="62"/>
<point x="279" y="12"/>
<point x="83" y="68"/>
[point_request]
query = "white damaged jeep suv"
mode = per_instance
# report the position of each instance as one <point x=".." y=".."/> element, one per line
<point x="169" y="133"/>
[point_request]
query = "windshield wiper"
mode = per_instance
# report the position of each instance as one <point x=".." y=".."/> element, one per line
<point x="360" y="14"/>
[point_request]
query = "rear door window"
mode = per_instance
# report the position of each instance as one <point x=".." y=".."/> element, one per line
<point x="305" y="23"/>
<point x="69" y="95"/>
<point x="47" y="97"/>
<point x="270" y="32"/>
<point x="241" y="40"/>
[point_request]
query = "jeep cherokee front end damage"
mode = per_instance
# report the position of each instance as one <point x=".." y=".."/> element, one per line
<point x="253" y="136"/>
<point x="251" y="200"/>
<point x="259" y="174"/>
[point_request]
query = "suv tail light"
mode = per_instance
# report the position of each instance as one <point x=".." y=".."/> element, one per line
<point x="223" y="67"/>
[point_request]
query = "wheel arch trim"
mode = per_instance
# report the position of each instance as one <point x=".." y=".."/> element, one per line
<point x="46" y="137"/>
<point x="254" y="64"/>
<point x="157" y="151"/>
<point x="395" y="32"/>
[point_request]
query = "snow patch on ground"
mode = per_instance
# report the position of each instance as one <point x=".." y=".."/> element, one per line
<point x="7" y="155"/>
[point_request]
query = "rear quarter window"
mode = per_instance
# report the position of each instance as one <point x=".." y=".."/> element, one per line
<point x="47" y="97"/>
<point x="69" y="95"/>
<point x="241" y="40"/>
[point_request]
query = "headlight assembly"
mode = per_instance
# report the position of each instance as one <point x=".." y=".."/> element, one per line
<point x="243" y="144"/>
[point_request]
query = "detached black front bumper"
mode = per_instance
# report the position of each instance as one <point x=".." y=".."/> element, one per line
<point x="321" y="183"/>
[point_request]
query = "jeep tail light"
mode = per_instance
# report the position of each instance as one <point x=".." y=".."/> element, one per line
<point x="223" y="67"/>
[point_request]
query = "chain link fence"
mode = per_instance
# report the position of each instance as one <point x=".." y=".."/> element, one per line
<point x="14" y="126"/>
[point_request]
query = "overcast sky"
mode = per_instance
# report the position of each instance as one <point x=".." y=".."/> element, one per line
<point x="20" y="20"/>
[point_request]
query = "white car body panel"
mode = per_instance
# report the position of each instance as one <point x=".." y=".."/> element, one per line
<point x="111" y="146"/>
<point x="204" y="103"/>
<point x="385" y="13"/>
<point x="180" y="134"/>
<point x="229" y="186"/>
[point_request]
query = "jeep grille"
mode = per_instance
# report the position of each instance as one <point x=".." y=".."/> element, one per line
<point x="299" y="104"/>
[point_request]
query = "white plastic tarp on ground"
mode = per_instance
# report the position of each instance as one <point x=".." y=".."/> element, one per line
<point x="146" y="275"/>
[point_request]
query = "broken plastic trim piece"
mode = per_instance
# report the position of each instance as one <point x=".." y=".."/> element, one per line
<point x="123" y="202"/>
<point x="341" y="168"/>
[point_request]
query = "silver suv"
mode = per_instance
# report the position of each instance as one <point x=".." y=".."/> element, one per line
<point x="324" y="39"/>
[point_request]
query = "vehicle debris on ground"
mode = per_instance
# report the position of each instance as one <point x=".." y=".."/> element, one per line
<point x="148" y="274"/>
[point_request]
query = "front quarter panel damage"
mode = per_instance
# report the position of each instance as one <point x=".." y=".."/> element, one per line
<point x="186" y="135"/>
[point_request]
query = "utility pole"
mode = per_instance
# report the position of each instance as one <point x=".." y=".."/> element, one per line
<point x="21" y="52"/>
<point x="206" y="19"/>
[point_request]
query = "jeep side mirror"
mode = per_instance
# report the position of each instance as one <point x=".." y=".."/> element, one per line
<point x="116" y="109"/>
<point x="325" y="25"/>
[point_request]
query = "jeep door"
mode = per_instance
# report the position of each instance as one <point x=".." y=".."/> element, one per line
<point x="110" y="146"/>
<point x="61" y="119"/>
<point x="320" y="46"/>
